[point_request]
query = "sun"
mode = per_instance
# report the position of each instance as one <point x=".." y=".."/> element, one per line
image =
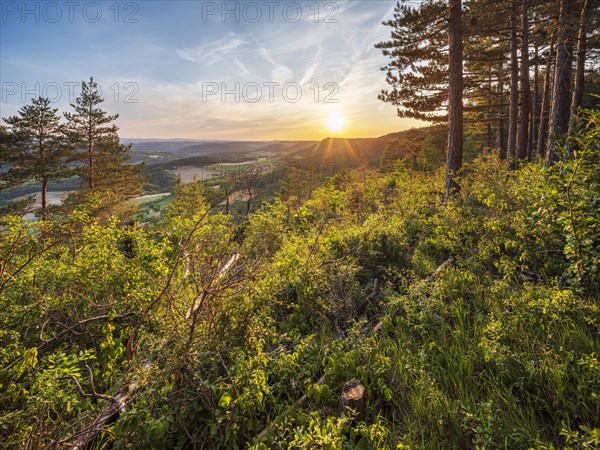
<point x="336" y="123"/>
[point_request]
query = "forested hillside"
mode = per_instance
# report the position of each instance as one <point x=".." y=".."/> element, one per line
<point x="433" y="288"/>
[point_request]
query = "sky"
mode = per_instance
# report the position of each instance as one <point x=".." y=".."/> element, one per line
<point x="230" y="70"/>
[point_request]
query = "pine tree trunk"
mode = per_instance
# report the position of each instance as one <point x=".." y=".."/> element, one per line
<point x="559" y="120"/>
<point x="91" y="166"/>
<point x="533" y="127"/>
<point x="546" y="100"/>
<point x="500" y="141"/>
<point x="514" y="86"/>
<point x="580" y="67"/>
<point x="489" y="109"/>
<point x="44" y="212"/>
<point x="525" y="90"/>
<point x="455" y="101"/>
<point x="90" y="141"/>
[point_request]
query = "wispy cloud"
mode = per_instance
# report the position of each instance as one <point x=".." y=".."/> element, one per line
<point x="171" y="58"/>
<point x="213" y="51"/>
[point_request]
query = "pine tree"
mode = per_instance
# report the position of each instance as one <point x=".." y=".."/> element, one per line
<point x="561" y="105"/>
<point x="455" y="94"/>
<point x="514" y="86"/>
<point x="578" y="87"/>
<point x="524" y="91"/>
<point x="12" y="174"/>
<point x="418" y="68"/>
<point x="90" y="125"/>
<point x="485" y="54"/>
<point x="38" y="149"/>
<point x="92" y="130"/>
<point x="426" y="70"/>
<point x="546" y="100"/>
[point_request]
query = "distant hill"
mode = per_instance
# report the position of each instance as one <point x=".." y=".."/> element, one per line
<point x="351" y="152"/>
<point x="162" y="158"/>
<point x="212" y="148"/>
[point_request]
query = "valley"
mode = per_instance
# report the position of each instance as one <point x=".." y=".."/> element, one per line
<point x="235" y="167"/>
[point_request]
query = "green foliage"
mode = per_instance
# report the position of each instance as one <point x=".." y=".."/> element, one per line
<point x="573" y="202"/>
<point x="481" y="330"/>
<point x="418" y="148"/>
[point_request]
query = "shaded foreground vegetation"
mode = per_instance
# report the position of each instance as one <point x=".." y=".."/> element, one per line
<point x="474" y="324"/>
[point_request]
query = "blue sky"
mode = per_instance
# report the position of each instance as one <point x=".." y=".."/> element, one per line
<point x="174" y="69"/>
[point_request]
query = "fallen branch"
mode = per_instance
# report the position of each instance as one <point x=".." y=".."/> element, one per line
<point x="222" y="272"/>
<point x="94" y="394"/>
<point x="83" y="438"/>
<point x="440" y="269"/>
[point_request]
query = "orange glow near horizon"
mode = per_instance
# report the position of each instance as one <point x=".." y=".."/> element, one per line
<point x="314" y="130"/>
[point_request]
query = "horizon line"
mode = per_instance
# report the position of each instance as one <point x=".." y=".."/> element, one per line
<point x="254" y="140"/>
